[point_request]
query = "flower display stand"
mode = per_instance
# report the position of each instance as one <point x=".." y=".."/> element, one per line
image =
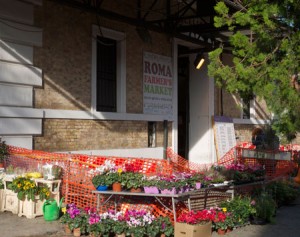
<point x="10" y="201"/>
<point x="1" y="198"/>
<point x="30" y="208"/>
<point x="53" y="185"/>
<point x="187" y="230"/>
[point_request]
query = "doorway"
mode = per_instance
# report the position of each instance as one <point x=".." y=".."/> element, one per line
<point x="183" y="104"/>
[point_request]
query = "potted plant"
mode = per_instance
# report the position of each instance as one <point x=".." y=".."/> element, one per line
<point x="222" y="220"/>
<point x="265" y="209"/>
<point x="160" y="226"/>
<point x="195" y="223"/>
<point x="150" y="185"/>
<point x="133" y="180"/>
<point x="3" y="152"/>
<point x="241" y="209"/>
<point x="138" y="221"/>
<point x="78" y="220"/>
<point x="119" y="227"/>
<point x="100" y="182"/>
<point x="27" y="188"/>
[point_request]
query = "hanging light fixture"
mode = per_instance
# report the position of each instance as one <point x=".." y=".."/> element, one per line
<point x="199" y="60"/>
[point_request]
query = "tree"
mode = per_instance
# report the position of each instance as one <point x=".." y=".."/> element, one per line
<point x="266" y="56"/>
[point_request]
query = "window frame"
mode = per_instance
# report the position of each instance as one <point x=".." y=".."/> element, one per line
<point x="121" y="69"/>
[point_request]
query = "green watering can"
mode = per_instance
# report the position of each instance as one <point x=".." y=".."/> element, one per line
<point x="51" y="210"/>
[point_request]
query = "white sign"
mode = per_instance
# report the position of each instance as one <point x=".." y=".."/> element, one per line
<point x="157" y="84"/>
<point x="224" y="135"/>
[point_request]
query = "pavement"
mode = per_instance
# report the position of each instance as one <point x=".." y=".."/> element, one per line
<point x="287" y="224"/>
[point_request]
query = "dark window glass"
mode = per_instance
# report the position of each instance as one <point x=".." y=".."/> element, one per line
<point x="106" y="75"/>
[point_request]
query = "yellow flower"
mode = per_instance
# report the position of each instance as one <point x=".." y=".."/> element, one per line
<point x="47" y="193"/>
<point x="120" y="171"/>
<point x="64" y="210"/>
<point x="224" y="209"/>
<point x="32" y="185"/>
<point x="19" y="185"/>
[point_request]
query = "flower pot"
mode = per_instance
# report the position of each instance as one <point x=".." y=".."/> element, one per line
<point x="102" y="188"/>
<point x="67" y="229"/>
<point x="198" y="185"/>
<point x="136" y="190"/>
<point x="257" y="221"/>
<point x="151" y="189"/>
<point x="76" y="232"/>
<point x="120" y="235"/>
<point x="167" y="191"/>
<point x="221" y="232"/>
<point x="184" y="189"/>
<point x="116" y="187"/>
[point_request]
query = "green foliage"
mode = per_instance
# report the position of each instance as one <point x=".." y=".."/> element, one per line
<point x="119" y="227"/>
<point x="3" y="150"/>
<point x="283" y="192"/>
<point x="132" y="180"/>
<point x="265" y="206"/>
<point x="107" y="179"/>
<point x="240" y="209"/>
<point x="1" y="184"/>
<point x="27" y="188"/>
<point x="160" y="225"/>
<point x="264" y="59"/>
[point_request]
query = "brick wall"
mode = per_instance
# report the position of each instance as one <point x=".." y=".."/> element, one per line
<point x="66" y="135"/>
<point x="65" y="59"/>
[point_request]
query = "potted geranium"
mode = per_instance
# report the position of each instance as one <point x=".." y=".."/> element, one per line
<point x="222" y="220"/>
<point x="195" y="223"/>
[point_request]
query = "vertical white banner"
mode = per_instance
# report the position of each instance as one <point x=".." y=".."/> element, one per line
<point x="157" y="84"/>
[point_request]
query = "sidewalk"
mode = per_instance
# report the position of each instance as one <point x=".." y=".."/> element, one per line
<point x="287" y="225"/>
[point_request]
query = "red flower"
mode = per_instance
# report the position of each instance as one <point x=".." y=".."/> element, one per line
<point x="196" y="217"/>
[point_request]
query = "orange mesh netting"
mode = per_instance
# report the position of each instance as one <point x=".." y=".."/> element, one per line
<point x="76" y="176"/>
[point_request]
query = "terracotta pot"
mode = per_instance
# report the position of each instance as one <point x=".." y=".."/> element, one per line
<point x="221" y="232"/>
<point x="76" y="232"/>
<point x="162" y="235"/>
<point x="120" y="235"/>
<point x="67" y="229"/>
<point x="136" y="190"/>
<point x="116" y="187"/>
<point x="1" y="165"/>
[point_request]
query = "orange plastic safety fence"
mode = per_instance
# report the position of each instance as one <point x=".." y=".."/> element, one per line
<point x="77" y="171"/>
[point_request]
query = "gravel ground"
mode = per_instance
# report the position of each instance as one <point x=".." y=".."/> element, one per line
<point x="287" y="225"/>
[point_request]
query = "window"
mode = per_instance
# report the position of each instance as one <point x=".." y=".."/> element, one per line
<point x="248" y="109"/>
<point x="108" y="71"/>
<point x="106" y="74"/>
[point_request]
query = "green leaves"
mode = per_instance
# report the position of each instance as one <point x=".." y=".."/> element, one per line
<point x="264" y="58"/>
